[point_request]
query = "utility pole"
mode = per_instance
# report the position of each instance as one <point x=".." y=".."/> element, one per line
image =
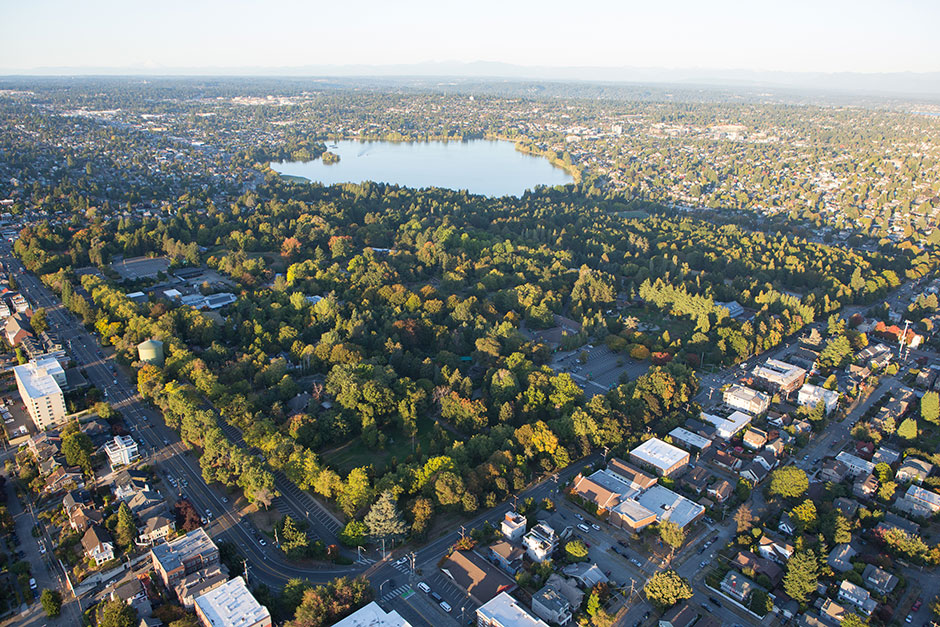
<point x="903" y="337"/>
<point x="245" y="564"/>
<point x="515" y="502"/>
<point x="463" y="532"/>
<point x="383" y="549"/>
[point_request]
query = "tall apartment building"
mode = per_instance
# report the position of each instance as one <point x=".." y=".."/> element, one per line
<point x="41" y="394"/>
<point x="184" y="556"/>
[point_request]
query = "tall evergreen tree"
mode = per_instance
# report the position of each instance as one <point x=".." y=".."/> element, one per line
<point x="384" y="519"/>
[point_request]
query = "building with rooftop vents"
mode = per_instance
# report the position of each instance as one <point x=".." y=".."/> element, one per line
<point x="662" y="458"/>
<point x="41" y="394"/>
<point x="231" y="605"/>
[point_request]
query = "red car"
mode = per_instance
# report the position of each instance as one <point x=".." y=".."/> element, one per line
<point x="917" y="605"/>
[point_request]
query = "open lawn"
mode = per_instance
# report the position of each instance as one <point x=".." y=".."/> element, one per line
<point x="356" y="454"/>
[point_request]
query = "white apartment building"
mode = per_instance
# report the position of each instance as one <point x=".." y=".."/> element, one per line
<point x="121" y="451"/>
<point x="41" y="394"/>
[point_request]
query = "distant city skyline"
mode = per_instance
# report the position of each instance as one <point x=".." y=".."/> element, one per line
<point x="798" y="36"/>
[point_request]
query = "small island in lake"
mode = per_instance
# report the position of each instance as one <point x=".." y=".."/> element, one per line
<point x="329" y="158"/>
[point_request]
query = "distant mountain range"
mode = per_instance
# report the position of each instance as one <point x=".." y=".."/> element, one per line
<point x="886" y="84"/>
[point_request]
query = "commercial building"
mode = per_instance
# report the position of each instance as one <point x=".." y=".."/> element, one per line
<point x="505" y="611"/>
<point x="41" y="394"/>
<point x="636" y="478"/>
<point x="183" y="556"/>
<point x="813" y="395"/>
<point x="477" y="577"/>
<point x="603" y="488"/>
<point x="689" y="440"/>
<point x="664" y="459"/>
<point x="779" y="376"/>
<point x="632" y="516"/>
<point x="121" y="451"/>
<point x="668" y="505"/>
<point x="373" y="616"/>
<point x="231" y="605"/>
<point x="727" y="428"/>
<point x="746" y="399"/>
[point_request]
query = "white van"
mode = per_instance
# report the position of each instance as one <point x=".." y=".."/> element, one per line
<point x="445" y="606"/>
<point x="584" y="528"/>
<point x="423" y="587"/>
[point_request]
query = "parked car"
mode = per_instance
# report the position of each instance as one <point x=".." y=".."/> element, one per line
<point x="436" y="596"/>
<point x="423" y="587"/>
<point x="445" y="606"/>
<point x="584" y="528"/>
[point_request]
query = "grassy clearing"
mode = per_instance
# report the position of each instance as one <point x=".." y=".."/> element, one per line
<point x="356" y="454"/>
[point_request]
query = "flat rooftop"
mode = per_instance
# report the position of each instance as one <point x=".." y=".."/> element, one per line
<point x="171" y="555"/>
<point x="231" y="605"/>
<point x="36" y="380"/>
<point x="506" y="611"/>
<point x="692" y="439"/>
<point x="373" y="616"/>
<point x="668" y="505"/>
<point x="660" y="454"/>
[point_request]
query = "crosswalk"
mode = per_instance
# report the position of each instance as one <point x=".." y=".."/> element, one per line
<point x="404" y="568"/>
<point x="400" y="590"/>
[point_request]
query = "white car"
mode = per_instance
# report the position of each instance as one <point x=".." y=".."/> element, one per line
<point x="595" y="527"/>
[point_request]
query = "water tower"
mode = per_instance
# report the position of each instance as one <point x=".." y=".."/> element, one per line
<point x="151" y="352"/>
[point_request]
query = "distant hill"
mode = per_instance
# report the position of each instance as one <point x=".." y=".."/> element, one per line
<point x="888" y="84"/>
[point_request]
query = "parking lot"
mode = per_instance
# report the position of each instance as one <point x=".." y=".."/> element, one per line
<point x="140" y="267"/>
<point x="602" y="369"/>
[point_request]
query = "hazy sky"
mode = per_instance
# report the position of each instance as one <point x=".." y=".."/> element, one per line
<point x="789" y="35"/>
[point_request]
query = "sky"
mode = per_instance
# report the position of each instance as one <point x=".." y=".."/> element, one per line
<point x="786" y="35"/>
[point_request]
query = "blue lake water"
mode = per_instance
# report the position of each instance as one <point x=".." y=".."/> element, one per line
<point x="490" y="168"/>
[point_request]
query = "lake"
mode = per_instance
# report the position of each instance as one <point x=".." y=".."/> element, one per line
<point x="490" y="168"/>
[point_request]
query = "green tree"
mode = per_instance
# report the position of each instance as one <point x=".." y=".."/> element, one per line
<point x="384" y="519"/>
<point x="78" y="449"/>
<point x="854" y="620"/>
<point x="39" y="321"/>
<point x="908" y="429"/>
<point x="801" y="577"/>
<point x="575" y="551"/>
<point x="116" y="613"/>
<point x="930" y="407"/>
<point x="292" y="539"/>
<point x="672" y="534"/>
<point x="126" y="531"/>
<point x="805" y="515"/>
<point x="666" y="588"/>
<point x="51" y="602"/>
<point x="354" y="533"/>
<point x="788" y="482"/>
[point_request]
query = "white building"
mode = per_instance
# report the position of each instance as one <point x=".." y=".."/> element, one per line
<point x="665" y="459"/>
<point x="688" y="439"/>
<point x="855" y="464"/>
<point x="231" y="605"/>
<point x="668" y="505"/>
<point x="780" y="376"/>
<point x="812" y="395"/>
<point x="121" y="451"/>
<point x="504" y="611"/>
<point x="513" y="526"/>
<point x="41" y="394"/>
<point x="727" y="428"/>
<point x="373" y="616"/>
<point x="746" y="399"/>
<point x="540" y="542"/>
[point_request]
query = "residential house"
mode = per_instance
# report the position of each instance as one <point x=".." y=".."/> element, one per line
<point x="550" y="605"/>
<point x="855" y="465"/>
<point x="63" y="478"/>
<point x="755" y="473"/>
<point x="131" y="591"/>
<point x="840" y="558"/>
<point x="878" y="580"/>
<point x="777" y="447"/>
<point x="848" y="507"/>
<point x="127" y="483"/>
<point x="146" y="504"/>
<point x="832" y="470"/>
<point x="726" y="460"/>
<point x="586" y="574"/>
<point x="507" y="556"/>
<point x="155" y="529"/>
<point x="696" y="480"/>
<point x="885" y="455"/>
<point x="913" y="470"/>
<point x="540" y="542"/>
<point x="857" y="596"/>
<point x="680" y="615"/>
<point x="832" y="613"/>
<point x="737" y="586"/>
<point x="776" y="550"/>
<point x="919" y="502"/>
<point x="786" y="526"/>
<point x="766" y="459"/>
<point x="81" y="518"/>
<point x="745" y="560"/>
<point x="720" y="491"/>
<point x="17" y="329"/>
<point x="513" y="526"/>
<point x="98" y="545"/>
<point x="755" y="438"/>
<point x="726" y="427"/>
<point x="865" y="487"/>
